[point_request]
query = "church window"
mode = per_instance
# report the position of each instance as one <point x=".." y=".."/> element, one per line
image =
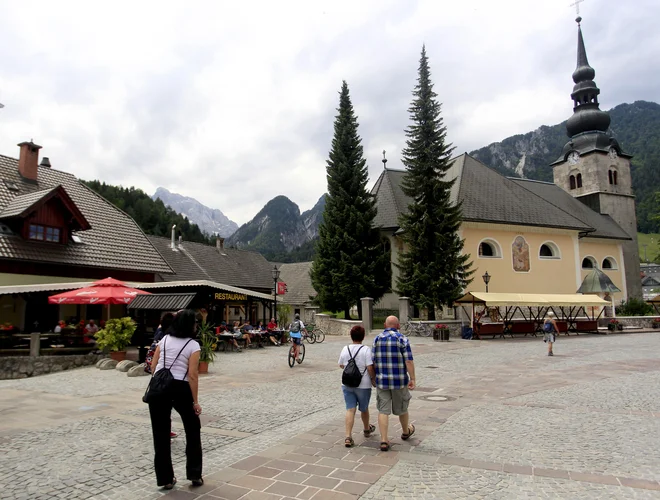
<point x="572" y="181"/>
<point x="489" y="249"/>
<point x="614" y="177"/>
<point x="610" y="177"/>
<point x="549" y="250"/>
<point x="609" y="263"/>
<point x="579" y="180"/>
<point x="588" y="263"/>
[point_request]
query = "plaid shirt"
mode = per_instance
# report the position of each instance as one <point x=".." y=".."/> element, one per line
<point x="390" y="352"/>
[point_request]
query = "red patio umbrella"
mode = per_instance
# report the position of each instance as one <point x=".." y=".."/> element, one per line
<point x="106" y="291"/>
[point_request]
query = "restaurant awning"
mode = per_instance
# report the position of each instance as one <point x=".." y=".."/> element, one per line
<point x="199" y="283"/>
<point x="532" y="299"/>
<point x="162" y="301"/>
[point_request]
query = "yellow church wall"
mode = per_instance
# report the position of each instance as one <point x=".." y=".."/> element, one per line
<point x="545" y="275"/>
<point x="599" y="250"/>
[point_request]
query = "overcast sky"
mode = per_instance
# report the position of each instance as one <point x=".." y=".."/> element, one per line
<point x="233" y="103"/>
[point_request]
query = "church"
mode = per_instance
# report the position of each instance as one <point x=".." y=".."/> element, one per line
<point x="540" y="237"/>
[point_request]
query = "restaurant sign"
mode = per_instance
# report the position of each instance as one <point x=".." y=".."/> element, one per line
<point x="230" y="296"/>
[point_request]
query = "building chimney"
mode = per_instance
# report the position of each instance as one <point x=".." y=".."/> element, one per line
<point x="45" y="162"/>
<point x="173" y="232"/>
<point x="180" y="238"/>
<point x="28" y="160"/>
<point x="219" y="243"/>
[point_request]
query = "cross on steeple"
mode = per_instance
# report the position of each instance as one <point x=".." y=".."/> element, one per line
<point x="576" y="4"/>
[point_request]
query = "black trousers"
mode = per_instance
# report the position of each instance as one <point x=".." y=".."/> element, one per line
<point x="161" y="424"/>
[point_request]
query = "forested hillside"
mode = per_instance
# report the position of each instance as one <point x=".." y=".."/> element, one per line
<point x="637" y="128"/>
<point x="151" y="215"/>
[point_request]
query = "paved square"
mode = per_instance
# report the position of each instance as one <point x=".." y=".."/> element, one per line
<point x="513" y="424"/>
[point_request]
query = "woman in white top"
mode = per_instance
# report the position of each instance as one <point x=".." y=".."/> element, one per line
<point x="179" y="352"/>
<point x="358" y="396"/>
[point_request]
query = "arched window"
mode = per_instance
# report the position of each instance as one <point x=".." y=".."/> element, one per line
<point x="609" y="263"/>
<point x="614" y="176"/>
<point x="489" y="249"/>
<point x="588" y="263"/>
<point x="609" y="176"/>
<point x="572" y="181"/>
<point x="579" y="180"/>
<point x="549" y="250"/>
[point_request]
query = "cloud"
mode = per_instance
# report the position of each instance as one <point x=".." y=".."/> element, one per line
<point x="233" y="103"/>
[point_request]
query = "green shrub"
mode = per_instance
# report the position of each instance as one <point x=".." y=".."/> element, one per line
<point x="117" y="334"/>
<point x="634" y="307"/>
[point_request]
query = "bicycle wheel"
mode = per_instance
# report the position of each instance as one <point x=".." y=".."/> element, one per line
<point x="292" y="358"/>
<point x="320" y="335"/>
<point x="310" y="338"/>
<point x="301" y="353"/>
<point x="424" y="331"/>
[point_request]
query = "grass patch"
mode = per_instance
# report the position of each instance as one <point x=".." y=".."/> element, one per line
<point x="651" y="241"/>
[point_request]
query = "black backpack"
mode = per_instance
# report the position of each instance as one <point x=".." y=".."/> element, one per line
<point x="161" y="383"/>
<point x="351" y="377"/>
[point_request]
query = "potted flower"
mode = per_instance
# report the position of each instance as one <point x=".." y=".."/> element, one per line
<point x="116" y="337"/>
<point x="441" y="332"/>
<point x="655" y="323"/>
<point x="208" y="343"/>
<point x="614" y="325"/>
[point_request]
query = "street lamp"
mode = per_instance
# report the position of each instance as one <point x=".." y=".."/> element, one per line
<point x="276" y="276"/>
<point x="486" y="278"/>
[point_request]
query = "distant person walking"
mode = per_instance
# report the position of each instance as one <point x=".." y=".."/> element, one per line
<point x="395" y="378"/>
<point x="358" y="397"/>
<point x="178" y="352"/>
<point x="296" y="336"/>
<point x="550" y="331"/>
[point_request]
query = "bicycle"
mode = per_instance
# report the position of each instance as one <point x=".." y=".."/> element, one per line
<point x="310" y="337"/>
<point x="301" y="355"/>
<point x="318" y="332"/>
<point x="417" y="328"/>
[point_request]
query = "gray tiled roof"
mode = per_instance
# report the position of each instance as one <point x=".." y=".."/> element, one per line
<point x="115" y="241"/>
<point x="603" y="225"/>
<point x="24" y="201"/>
<point x="196" y="261"/>
<point x="486" y="196"/>
<point x="298" y="282"/>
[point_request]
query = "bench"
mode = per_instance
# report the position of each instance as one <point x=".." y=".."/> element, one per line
<point x="526" y="327"/>
<point x="493" y="329"/>
<point x="586" y="326"/>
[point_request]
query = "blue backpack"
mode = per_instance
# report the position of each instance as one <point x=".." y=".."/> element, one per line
<point x="548" y="328"/>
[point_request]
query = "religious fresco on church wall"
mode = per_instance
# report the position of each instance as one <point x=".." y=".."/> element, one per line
<point x="520" y="251"/>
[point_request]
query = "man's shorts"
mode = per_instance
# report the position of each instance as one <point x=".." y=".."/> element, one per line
<point x="296" y="340"/>
<point x="393" y="401"/>
<point x="354" y="396"/>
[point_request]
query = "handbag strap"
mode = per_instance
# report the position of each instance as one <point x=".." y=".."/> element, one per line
<point x="177" y="356"/>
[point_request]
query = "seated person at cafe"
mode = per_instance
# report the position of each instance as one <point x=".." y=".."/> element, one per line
<point x="60" y="324"/>
<point x="272" y="326"/>
<point x="90" y="330"/>
<point x="245" y="329"/>
<point x="224" y="329"/>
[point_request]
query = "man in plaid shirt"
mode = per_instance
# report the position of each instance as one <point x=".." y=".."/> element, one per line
<point x="395" y="378"/>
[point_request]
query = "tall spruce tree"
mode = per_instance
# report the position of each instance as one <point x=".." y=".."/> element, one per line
<point x="433" y="270"/>
<point x="350" y="261"/>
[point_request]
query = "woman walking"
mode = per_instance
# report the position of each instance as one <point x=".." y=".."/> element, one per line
<point x="178" y="352"/>
<point x="549" y="331"/>
<point x="358" y="397"/>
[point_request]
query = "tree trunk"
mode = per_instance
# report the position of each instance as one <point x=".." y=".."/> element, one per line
<point x="347" y="312"/>
<point x="432" y="313"/>
<point x="359" y="309"/>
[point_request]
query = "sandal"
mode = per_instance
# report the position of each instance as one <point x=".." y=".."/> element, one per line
<point x="170" y="486"/>
<point x="367" y="432"/>
<point x="384" y="446"/>
<point x="198" y="482"/>
<point x="348" y="442"/>
<point x="410" y="432"/>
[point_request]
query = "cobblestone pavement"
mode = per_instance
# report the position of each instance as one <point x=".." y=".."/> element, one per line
<point x="512" y="423"/>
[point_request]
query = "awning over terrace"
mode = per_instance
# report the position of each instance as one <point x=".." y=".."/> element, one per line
<point x="532" y="299"/>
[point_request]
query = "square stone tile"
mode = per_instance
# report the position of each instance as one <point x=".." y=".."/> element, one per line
<point x="253" y="482"/>
<point x="307" y="493"/>
<point x="228" y="491"/>
<point x="351" y="475"/>
<point x="250" y="463"/>
<point x="284" y="464"/>
<point x="352" y="487"/>
<point x="260" y="495"/>
<point x="340" y="454"/>
<point x="292" y="477"/>
<point x="180" y="495"/>
<point x="380" y="460"/>
<point x="338" y="464"/>
<point x="266" y="472"/>
<point x="318" y="470"/>
<point x="225" y="475"/>
<point x="306" y="450"/>
<point x="285" y="489"/>
<point x="333" y="495"/>
<point x="296" y="457"/>
<point x="322" y="482"/>
<point x="372" y="469"/>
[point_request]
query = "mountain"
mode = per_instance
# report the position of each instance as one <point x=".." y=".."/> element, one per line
<point x="210" y="220"/>
<point x="637" y="128"/>
<point x="280" y="232"/>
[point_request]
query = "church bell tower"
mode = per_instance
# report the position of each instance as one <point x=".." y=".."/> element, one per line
<point x="594" y="168"/>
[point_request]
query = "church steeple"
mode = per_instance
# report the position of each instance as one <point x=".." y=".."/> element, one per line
<point x="587" y="116"/>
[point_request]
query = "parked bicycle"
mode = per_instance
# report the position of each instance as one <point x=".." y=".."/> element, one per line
<point x="417" y="328"/>
<point x="309" y="336"/>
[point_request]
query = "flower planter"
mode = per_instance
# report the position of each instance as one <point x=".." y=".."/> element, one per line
<point x="203" y="367"/>
<point x="118" y="355"/>
<point x="441" y="335"/>
<point x="619" y="327"/>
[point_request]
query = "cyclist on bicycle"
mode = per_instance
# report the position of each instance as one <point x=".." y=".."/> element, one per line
<point x="296" y="336"/>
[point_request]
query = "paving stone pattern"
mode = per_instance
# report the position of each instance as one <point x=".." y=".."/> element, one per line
<point x="517" y="424"/>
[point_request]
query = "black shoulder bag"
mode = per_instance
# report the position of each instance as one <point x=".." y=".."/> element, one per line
<point x="161" y="383"/>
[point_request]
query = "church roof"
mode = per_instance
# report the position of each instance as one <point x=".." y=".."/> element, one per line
<point x="486" y="196"/>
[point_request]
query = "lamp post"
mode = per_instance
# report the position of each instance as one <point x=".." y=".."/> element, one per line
<point x="486" y="278"/>
<point x="276" y="276"/>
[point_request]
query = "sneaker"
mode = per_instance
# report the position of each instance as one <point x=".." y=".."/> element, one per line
<point x="550" y="354"/>
<point x="173" y="435"/>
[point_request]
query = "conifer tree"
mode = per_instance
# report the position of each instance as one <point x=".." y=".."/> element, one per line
<point x="350" y="261"/>
<point x="433" y="270"/>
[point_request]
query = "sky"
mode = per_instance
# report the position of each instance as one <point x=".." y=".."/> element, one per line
<point x="233" y="103"/>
